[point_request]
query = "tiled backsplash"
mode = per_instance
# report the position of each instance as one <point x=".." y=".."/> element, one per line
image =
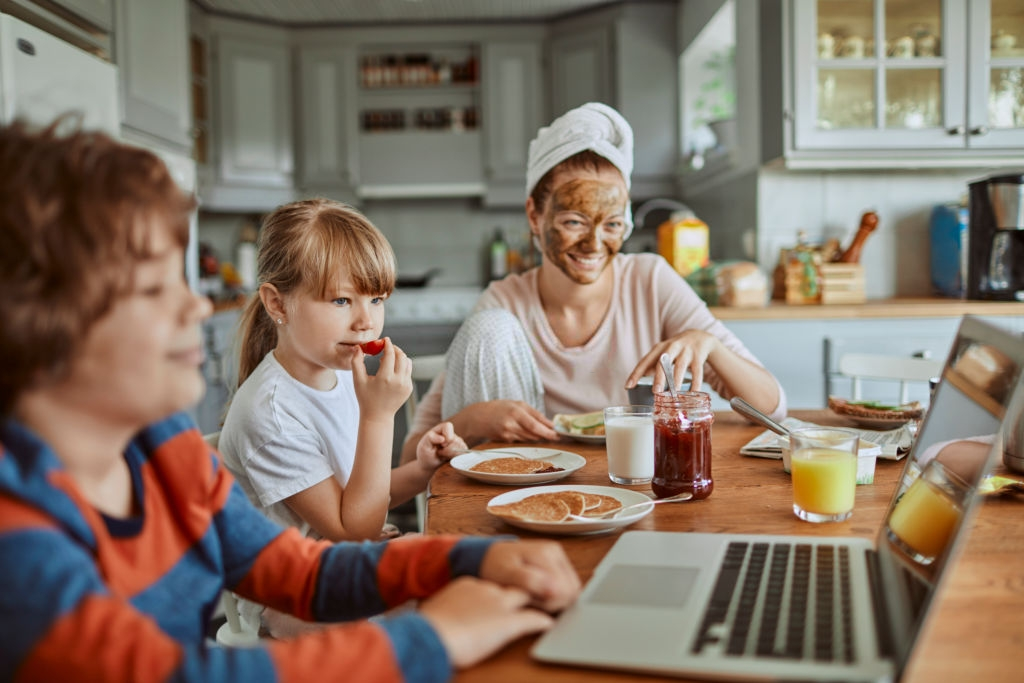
<point x="895" y="256"/>
<point x="450" y="234"/>
<point x="760" y="212"/>
<point x="750" y="218"/>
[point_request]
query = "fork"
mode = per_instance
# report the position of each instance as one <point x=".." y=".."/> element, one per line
<point x="678" y="498"/>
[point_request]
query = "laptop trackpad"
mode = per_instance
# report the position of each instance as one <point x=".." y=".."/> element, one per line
<point x="629" y="584"/>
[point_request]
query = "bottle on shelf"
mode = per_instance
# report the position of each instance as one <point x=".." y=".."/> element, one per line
<point x="245" y="256"/>
<point x="499" y="255"/>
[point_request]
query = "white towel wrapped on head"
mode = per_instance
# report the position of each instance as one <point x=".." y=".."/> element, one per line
<point x="592" y="126"/>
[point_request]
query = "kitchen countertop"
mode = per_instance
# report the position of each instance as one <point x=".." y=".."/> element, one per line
<point x="919" y="307"/>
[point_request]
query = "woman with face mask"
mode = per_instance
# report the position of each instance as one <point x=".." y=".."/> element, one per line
<point x="574" y="333"/>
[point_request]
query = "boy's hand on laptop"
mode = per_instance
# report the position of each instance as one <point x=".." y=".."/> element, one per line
<point x="475" y="618"/>
<point x="541" y="568"/>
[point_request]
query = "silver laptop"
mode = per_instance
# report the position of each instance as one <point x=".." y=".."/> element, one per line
<point x="753" y="607"/>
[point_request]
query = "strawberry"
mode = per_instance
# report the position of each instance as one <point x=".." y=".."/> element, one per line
<point x="372" y="348"/>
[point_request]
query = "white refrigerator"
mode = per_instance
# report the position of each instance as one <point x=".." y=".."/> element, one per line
<point x="41" y="77"/>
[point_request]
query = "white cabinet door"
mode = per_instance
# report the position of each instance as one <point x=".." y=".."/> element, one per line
<point x="254" y="120"/>
<point x="151" y="43"/>
<point x="513" y="110"/>
<point x="625" y="56"/>
<point x="580" y="69"/>
<point x="995" y="97"/>
<point x="327" y="106"/>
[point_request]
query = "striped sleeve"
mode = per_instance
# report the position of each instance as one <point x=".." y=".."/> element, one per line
<point x="59" y="622"/>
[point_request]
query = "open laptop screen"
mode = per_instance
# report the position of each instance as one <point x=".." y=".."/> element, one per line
<point x="959" y="441"/>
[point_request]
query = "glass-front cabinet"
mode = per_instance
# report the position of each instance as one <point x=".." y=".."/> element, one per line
<point x="908" y="74"/>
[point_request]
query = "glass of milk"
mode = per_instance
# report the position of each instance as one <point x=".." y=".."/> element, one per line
<point x="629" y="440"/>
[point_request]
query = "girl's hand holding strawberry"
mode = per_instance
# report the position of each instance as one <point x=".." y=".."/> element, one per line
<point x="381" y="395"/>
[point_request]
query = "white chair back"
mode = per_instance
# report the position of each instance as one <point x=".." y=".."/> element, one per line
<point x="424" y="369"/>
<point x="876" y="366"/>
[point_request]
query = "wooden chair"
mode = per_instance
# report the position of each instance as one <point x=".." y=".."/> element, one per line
<point x="235" y="632"/>
<point x="876" y="366"/>
<point x="424" y="370"/>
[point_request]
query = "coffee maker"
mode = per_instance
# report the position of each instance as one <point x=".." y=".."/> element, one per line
<point x="995" y="239"/>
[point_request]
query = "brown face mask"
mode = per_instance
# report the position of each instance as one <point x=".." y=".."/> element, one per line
<point x="585" y="219"/>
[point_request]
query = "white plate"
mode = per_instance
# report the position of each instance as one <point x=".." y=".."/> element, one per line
<point x="569" y="462"/>
<point x="583" y="438"/>
<point x="574" y="527"/>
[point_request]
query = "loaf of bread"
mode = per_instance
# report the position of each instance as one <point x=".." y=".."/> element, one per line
<point x="741" y="284"/>
<point x="987" y="368"/>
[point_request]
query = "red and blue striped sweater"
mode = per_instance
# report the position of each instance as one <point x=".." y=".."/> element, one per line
<point x="84" y="597"/>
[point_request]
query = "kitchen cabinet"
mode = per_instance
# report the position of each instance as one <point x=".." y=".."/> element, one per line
<point x="940" y="80"/>
<point x="99" y="13"/>
<point x="402" y="113"/>
<point x="580" y="67"/>
<point x="327" y="153"/>
<point x="152" y="54"/>
<point x="625" y="56"/>
<point x="419" y="118"/>
<point x="199" y="80"/>
<point x="253" y="156"/>
<point x="512" y="110"/>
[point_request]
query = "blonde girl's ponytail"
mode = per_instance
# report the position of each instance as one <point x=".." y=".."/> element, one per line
<point x="258" y="337"/>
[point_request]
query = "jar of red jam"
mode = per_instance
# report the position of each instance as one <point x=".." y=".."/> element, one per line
<point x="682" y="444"/>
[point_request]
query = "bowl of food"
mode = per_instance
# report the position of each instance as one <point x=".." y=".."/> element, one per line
<point x="641" y="394"/>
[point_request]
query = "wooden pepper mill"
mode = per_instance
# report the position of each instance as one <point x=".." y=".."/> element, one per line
<point x="868" y="223"/>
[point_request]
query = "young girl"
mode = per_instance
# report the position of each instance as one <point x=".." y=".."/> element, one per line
<point x="309" y="433"/>
<point x="119" y="527"/>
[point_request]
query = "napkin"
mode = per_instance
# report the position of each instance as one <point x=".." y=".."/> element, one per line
<point x="895" y="443"/>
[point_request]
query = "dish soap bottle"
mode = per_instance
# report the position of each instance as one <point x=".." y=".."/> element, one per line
<point x="499" y="256"/>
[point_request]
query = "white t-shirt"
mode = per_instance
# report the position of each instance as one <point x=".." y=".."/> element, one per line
<point x="281" y="437"/>
<point x="650" y="303"/>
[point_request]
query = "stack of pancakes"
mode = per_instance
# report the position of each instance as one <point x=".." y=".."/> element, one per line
<point x="514" y="466"/>
<point x="557" y="506"/>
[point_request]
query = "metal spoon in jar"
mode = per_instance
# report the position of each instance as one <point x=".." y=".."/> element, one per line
<point x="744" y="408"/>
<point x="670" y="380"/>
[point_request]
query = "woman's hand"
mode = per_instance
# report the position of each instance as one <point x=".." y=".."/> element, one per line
<point x="438" y="446"/>
<point x="381" y="395"/>
<point x="688" y="351"/>
<point x="541" y="568"/>
<point x="736" y="375"/>
<point x="476" y="618"/>
<point x="504" y="420"/>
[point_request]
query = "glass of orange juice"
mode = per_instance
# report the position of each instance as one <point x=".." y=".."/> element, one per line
<point x="927" y="514"/>
<point x="823" y="461"/>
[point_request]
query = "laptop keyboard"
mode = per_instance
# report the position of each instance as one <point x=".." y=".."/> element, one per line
<point x="781" y="600"/>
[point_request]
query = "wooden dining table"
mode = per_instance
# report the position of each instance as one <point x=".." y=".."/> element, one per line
<point x="975" y="629"/>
